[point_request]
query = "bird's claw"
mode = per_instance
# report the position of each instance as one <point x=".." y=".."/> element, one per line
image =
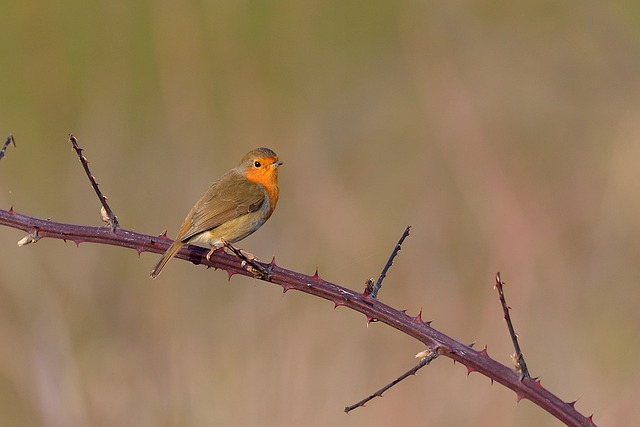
<point x="213" y="249"/>
<point x="258" y="271"/>
<point x="250" y="262"/>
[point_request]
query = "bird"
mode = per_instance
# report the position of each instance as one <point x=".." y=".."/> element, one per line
<point x="233" y="207"/>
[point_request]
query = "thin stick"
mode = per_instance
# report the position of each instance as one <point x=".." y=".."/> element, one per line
<point x="519" y="357"/>
<point x="9" y="140"/>
<point x="394" y="253"/>
<point x="111" y="218"/>
<point x="423" y="362"/>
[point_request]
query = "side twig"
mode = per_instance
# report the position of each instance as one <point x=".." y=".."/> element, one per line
<point x="374" y="292"/>
<point x="518" y="357"/>
<point x="107" y="214"/>
<point x="424" y="361"/>
<point x="9" y="140"/>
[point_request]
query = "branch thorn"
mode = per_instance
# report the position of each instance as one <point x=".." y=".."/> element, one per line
<point x="484" y="351"/>
<point x="286" y="288"/>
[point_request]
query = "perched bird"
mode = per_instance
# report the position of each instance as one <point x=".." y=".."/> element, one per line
<point x="233" y="207"/>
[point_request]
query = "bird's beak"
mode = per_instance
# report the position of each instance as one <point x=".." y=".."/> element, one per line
<point x="278" y="163"/>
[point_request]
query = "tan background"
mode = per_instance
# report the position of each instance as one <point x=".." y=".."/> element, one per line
<point x="506" y="134"/>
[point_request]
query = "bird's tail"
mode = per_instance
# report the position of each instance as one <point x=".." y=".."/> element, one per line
<point x="170" y="253"/>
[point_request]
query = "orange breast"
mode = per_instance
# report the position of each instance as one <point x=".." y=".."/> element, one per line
<point x="268" y="178"/>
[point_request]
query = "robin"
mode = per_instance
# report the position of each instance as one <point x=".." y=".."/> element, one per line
<point x="233" y="207"/>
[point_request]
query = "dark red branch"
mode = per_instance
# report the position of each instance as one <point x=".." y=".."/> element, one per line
<point x="475" y="361"/>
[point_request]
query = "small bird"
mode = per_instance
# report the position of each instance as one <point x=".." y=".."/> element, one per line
<point x="233" y="207"/>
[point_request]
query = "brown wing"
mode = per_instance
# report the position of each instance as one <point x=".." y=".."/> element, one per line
<point x="228" y="198"/>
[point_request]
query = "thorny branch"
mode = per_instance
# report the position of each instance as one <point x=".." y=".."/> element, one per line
<point x="436" y="341"/>
<point x="475" y="361"/>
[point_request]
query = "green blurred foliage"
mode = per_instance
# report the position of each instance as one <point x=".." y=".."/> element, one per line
<point x="507" y="134"/>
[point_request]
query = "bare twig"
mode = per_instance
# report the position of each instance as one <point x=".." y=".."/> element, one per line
<point x="9" y="140"/>
<point x="424" y="361"/>
<point x="521" y="366"/>
<point x="383" y="274"/>
<point x="107" y="214"/>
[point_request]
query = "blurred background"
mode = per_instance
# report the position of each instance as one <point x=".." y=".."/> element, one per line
<point x="506" y="134"/>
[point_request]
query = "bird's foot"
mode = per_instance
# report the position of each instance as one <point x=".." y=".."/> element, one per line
<point x="250" y="262"/>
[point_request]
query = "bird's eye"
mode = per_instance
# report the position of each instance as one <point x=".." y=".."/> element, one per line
<point x="257" y="164"/>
